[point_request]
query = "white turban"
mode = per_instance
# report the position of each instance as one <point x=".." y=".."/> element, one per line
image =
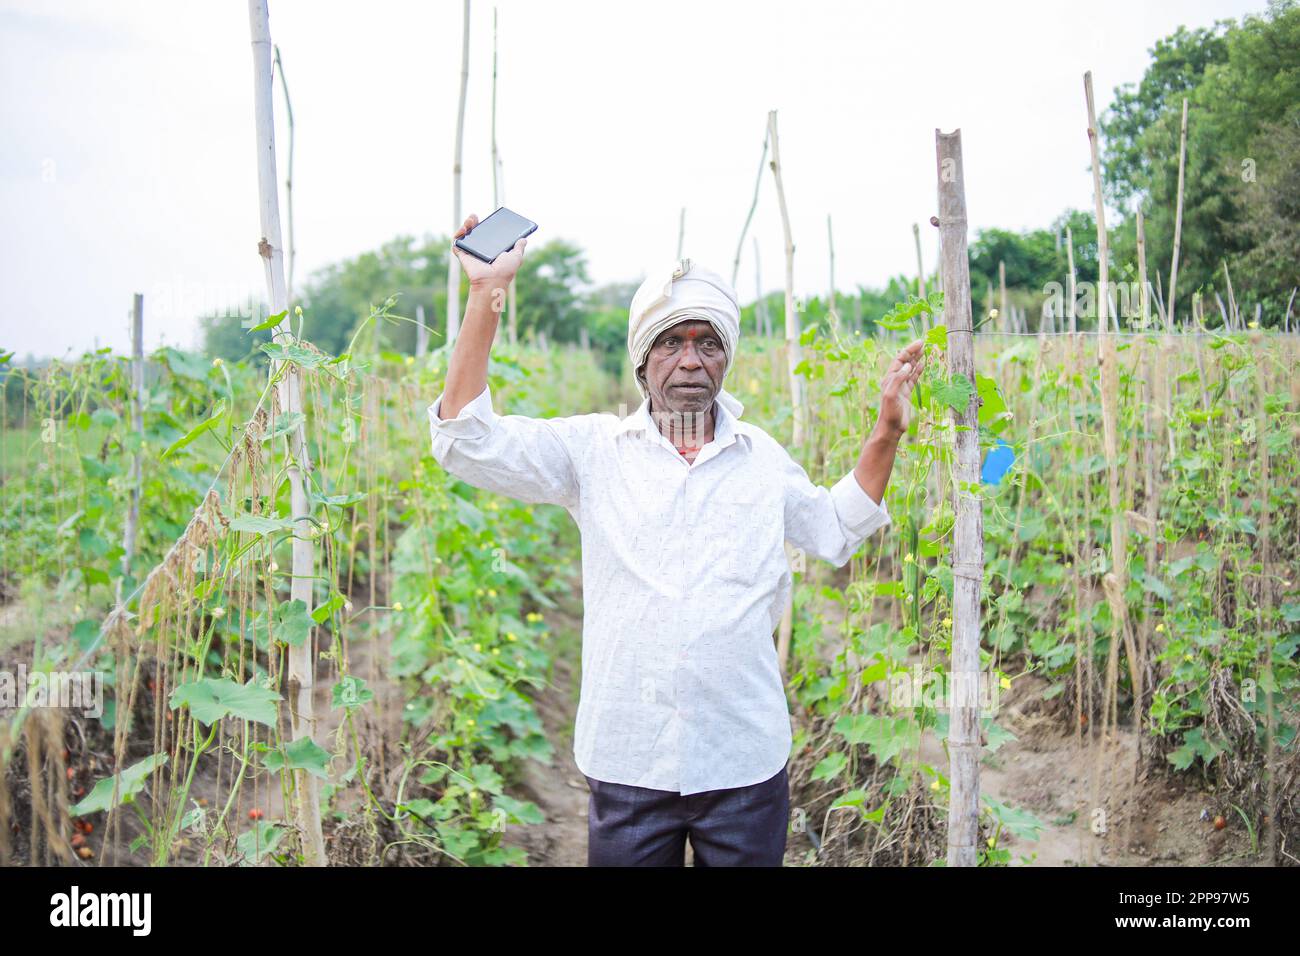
<point x="684" y="291"/>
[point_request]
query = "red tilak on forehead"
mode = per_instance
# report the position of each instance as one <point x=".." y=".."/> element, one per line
<point x="690" y="334"/>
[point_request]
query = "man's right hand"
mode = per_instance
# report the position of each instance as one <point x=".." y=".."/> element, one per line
<point x="488" y="275"/>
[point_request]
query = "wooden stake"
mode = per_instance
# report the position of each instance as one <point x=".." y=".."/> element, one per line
<point x="137" y="426"/>
<point x="1145" y="304"/>
<point x="1004" y="317"/>
<point x="761" y="320"/>
<point x="499" y="189"/>
<point x="749" y="217"/>
<point x="832" y="314"/>
<point x="1116" y="580"/>
<point x="301" y="670"/>
<point x="968" y="528"/>
<point x="288" y="177"/>
<point x="920" y="267"/>
<point x="453" y="264"/>
<point x="1178" y="214"/>
<point x="1070" y="292"/>
<point x="793" y="351"/>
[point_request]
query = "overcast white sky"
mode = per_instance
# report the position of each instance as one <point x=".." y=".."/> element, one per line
<point x="127" y="151"/>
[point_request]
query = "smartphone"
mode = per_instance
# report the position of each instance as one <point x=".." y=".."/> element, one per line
<point x="496" y="234"/>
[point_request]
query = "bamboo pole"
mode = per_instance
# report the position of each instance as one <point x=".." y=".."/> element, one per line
<point x="302" y="681"/>
<point x="1116" y="580"/>
<point x="793" y="351"/>
<point x="453" y="264"/>
<point x="832" y="314"/>
<point x="288" y="177"/>
<point x="761" y="319"/>
<point x="498" y="188"/>
<point x="681" y="231"/>
<point x="968" y="528"/>
<point x="1070" y="283"/>
<point x="1265" y="605"/>
<point x="421" y="331"/>
<point x="1178" y="214"/>
<point x="137" y="426"/>
<point x="1235" y="316"/>
<point x="792" y="355"/>
<point x="920" y="267"/>
<point x="753" y="204"/>
<point x="1004" y="317"/>
<point x="1144" y="303"/>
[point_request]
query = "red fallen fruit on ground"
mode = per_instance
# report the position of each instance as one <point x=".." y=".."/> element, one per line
<point x="1220" y="823"/>
<point x="79" y="791"/>
<point x="77" y="840"/>
<point x="72" y="772"/>
<point x="85" y="853"/>
<point x="255" y="814"/>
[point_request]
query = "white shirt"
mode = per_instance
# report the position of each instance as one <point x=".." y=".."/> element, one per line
<point x="685" y="578"/>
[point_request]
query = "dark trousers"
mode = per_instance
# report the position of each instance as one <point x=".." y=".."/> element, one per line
<point x="637" y="826"/>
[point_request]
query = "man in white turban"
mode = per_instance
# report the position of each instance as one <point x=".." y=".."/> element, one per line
<point x="683" y="730"/>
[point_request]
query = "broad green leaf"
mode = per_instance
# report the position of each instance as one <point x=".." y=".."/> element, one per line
<point x="956" y="394"/>
<point x="130" y="782"/>
<point x="854" y="798"/>
<point x="351" y="692"/>
<point x="211" y="699"/>
<point x="196" y="431"/>
<point x="303" y="754"/>
<point x="258" y="842"/>
<point x="518" y="811"/>
<point x="830" y="766"/>
<point x="270" y="323"/>
<point x="260" y="524"/>
<point x="284" y="425"/>
<point x="341" y="501"/>
<point x="991" y="402"/>
<point x="297" y="354"/>
<point x="292" y="622"/>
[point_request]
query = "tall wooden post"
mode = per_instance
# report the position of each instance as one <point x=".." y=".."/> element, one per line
<point x="968" y="527"/>
<point x="137" y="426"/>
<point x="302" y="679"/>
<point x="453" y="264"/>
<point x="1178" y="214"/>
<point x="793" y="351"/>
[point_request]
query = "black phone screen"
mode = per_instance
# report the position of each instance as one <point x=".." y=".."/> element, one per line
<point x="496" y="234"/>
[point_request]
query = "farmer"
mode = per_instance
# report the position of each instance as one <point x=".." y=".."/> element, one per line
<point x="682" y="726"/>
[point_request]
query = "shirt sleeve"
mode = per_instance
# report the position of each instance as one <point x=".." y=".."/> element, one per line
<point x="829" y="523"/>
<point x="531" y="459"/>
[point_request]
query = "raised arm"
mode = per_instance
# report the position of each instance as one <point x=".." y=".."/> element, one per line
<point x="488" y="282"/>
<point x="832" y="523"/>
<point x="531" y="459"/>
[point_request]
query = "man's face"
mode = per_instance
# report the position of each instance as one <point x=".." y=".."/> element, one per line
<point x="683" y="371"/>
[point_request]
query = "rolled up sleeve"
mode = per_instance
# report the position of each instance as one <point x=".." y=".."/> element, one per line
<point x="830" y="524"/>
<point x="530" y="459"/>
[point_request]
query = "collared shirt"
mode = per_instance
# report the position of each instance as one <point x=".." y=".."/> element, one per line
<point x="685" y="578"/>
